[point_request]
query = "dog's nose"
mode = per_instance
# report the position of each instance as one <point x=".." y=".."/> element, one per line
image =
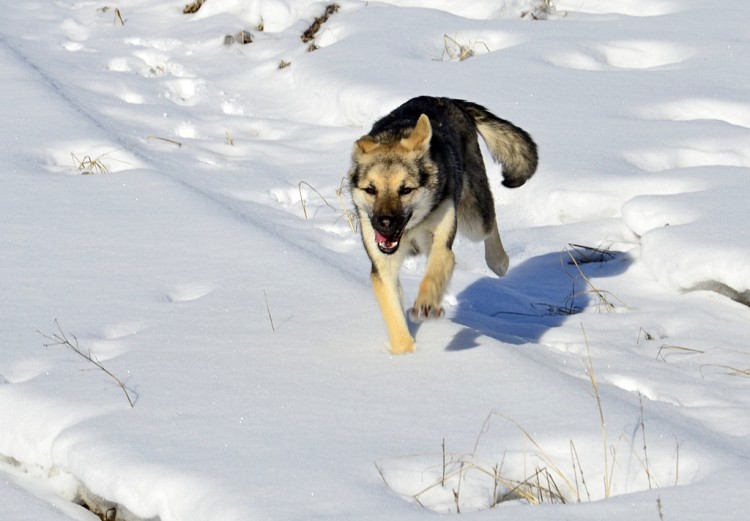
<point x="385" y="222"/>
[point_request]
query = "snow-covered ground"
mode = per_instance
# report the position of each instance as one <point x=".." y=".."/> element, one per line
<point x="207" y="262"/>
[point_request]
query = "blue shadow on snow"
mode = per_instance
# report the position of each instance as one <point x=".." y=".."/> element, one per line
<point x="537" y="295"/>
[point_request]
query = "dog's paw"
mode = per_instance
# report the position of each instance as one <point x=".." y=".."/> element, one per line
<point x="402" y="347"/>
<point x="426" y="311"/>
<point x="498" y="263"/>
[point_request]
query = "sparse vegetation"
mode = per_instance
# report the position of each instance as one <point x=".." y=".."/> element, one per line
<point x="311" y="31"/>
<point x="268" y="309"/>
<point x="534" y="477"/>
<point x="193" y="7"/>
<point x="165" y="139"/>
<point x="347" y="214"/>
<point x="59" y="338"/>
<point x="88" y="165"/>
<point x="603" y="298"/>
<point x="118" y="17"/>
<point x="459" y="51"/>
<point x="541" y="11"/>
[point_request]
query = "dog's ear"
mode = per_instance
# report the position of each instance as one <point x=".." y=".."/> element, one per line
<point x="365" y="145"/>
<point x="419" y="139"/>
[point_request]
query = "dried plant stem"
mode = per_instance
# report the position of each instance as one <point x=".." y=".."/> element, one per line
<point x="600" y="294"/>
<point x="58" y="338"/>
<point x="348" y="215"/>
<point x="689" y="350"/>
<point x="442" y="481"/>
<point x="643" y="433"/>
<point x="165" y="139"/>
<point x="268" y="309"/>
<point x="734" y="371"/>
<point x="464" y="52"/>
<point x="589" y="366"/>
<point x="578" y="469"/>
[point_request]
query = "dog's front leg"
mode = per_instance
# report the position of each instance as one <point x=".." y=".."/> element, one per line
<point x="440" y="264"/>
<point x="386" y="286"/>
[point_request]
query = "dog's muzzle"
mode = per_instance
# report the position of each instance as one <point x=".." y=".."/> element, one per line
<point x="388" y="232"/>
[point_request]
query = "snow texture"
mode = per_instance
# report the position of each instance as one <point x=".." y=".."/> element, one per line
<point x="171" y="198"/>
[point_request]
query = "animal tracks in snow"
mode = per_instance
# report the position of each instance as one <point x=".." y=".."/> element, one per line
<point x="697" y="109"/>
<point x="188" y="292"/>
<point x="628" y="54"/>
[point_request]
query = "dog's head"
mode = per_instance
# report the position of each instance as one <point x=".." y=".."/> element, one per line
<point x="390" y="181"/>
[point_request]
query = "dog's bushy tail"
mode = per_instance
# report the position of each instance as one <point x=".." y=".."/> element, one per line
<point x="509" y="145"/>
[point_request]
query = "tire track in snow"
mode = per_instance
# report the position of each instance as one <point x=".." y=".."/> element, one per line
<point x="242" y="212"/>
<point x="236" y="210"/>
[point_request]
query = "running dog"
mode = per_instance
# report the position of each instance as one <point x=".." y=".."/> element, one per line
<point x="416" y="179"/>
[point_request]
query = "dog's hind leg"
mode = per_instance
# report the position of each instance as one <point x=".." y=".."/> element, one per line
<point x="494" y="253"/>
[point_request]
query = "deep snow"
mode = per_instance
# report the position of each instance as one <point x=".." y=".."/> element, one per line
<point x="242" y="319"/>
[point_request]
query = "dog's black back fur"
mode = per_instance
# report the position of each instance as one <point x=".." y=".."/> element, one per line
<point x="452" y="132"/>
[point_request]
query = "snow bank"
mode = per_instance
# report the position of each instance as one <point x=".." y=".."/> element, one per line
<point x="206" y="259"/>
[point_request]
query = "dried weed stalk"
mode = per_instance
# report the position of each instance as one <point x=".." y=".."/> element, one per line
<point x="58" y="338"/>
<point x="344" y="211"/>
<point x="458" y="51"/>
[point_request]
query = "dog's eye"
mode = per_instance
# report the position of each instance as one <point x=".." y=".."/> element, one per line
<point x="370" y="190"/>
<point x="405" y="190"/>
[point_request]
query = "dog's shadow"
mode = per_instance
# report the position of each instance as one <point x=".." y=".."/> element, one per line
<point x="537" y="295"/>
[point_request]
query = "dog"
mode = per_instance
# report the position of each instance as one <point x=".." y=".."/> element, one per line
<point x="416" y="179"/>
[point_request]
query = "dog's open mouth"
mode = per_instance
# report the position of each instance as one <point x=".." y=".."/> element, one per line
<point x="387" y="245"/>
<point x="388" y="242"/>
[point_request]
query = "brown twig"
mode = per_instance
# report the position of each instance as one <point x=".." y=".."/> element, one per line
<point x="59" y="338"/>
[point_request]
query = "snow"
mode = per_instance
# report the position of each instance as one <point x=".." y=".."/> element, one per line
<point x="174" y="204"/>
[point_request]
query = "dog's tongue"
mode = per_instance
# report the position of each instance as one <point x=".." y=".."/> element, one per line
<point x="383" y="240"/>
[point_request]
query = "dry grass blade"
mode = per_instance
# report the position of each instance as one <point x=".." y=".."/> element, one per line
<point x="601" y="295"/>
<point x="643" y="433"/>
<point x="165" y="139"/>
<point x="87" y="165"/>
<point x="268" y="309"/>
<point x="118" y="17"/>
<point x="733" y="371"/>
<point x="589" y="366"/>
<point x="459" y="51"/>
<point x="542" y="454"/>
<point x="588" y="254"/>
<point x="58" y="338"/>
<point x="350" y="217"/>
<point x="302" y="199"/>
<point x="578" y="469"/>
<point x="684" y="350"/>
